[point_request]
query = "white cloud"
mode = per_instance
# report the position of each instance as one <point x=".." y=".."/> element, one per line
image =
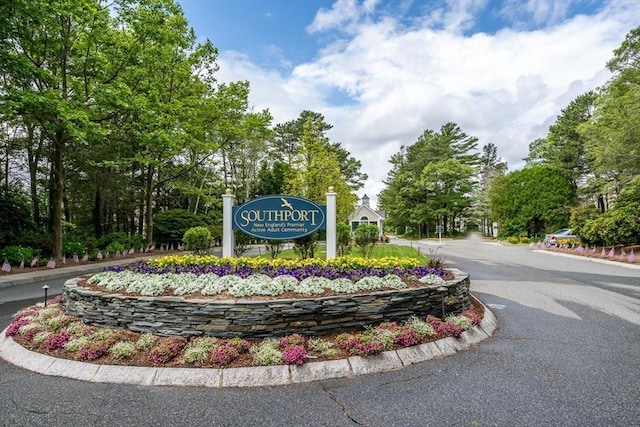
<point x="505" y="88"/>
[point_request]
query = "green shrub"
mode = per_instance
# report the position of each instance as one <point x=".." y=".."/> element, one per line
<point x="197" y="239"/>
<point x="580" y="216"/>
<point x="146" y="341"/>
<point x="422" y="328"/>
<point x="242" y="243"/>
<point x="514" y="240"/>
<point x="324" y="347"/>
<point x="70" y="248"/>
<point x="115" y="247"/>
<point x="123" y="350"/>
<point x="267" y="353"/>
<point x="620" y="225"/>
<point x="274" y="247"/>
<point x="107" y="239"/>
<point x="15" y="216"/>
<point x="366" y="237"/>
<point x="305" y="247"/>
<point x="169" y="226"/>
<point x="16" y="254"/>
<point x="343" y="238"/>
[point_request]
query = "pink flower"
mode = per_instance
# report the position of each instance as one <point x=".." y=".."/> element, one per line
<point x="224" y="354"/>
<point x="294" y="355"/>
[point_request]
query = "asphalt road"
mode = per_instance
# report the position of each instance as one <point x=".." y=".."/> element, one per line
<point x="567" y="353"/>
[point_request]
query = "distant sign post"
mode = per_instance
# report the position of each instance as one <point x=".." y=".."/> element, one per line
<point x="440" y="230"/>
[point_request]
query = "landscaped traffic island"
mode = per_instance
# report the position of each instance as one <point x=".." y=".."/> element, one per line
<point x="212" y="312"/>
<point x="228" y="300"/>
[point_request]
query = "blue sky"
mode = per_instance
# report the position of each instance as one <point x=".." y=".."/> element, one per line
<point x="383" y="71"/>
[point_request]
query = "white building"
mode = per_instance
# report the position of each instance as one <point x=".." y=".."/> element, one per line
<point x="365" y="214"/>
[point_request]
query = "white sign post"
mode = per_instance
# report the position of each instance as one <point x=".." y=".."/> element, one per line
<point x="228" y="238"/>
<point x="331" y="223"/>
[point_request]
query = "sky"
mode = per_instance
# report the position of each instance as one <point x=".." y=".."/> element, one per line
<point x="384" y="71"/>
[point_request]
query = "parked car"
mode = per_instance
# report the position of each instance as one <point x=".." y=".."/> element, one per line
<point x="562" y="234"/>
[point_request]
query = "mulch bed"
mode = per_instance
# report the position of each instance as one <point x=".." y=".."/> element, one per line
<point x="144" y="358"/>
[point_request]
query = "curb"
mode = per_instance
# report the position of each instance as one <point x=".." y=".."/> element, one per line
<point x="586" y="258"/>
<point x="258" y="376"/>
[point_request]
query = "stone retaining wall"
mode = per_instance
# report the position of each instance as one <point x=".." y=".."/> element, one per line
<point x="259" y="319"/>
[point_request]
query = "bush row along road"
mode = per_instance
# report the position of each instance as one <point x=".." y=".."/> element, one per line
<point x="566" y="353"/>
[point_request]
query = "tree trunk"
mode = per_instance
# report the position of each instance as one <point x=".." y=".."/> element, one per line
<point x="33" y="159"/>
<point x="57" y="193"/>
<point x="95" y="214"/>
<point x="149" y="204"/>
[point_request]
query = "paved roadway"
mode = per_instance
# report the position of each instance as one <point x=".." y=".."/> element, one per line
<point x="567" y="353"/>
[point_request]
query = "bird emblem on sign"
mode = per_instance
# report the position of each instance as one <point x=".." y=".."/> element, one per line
<point x="286" y="204"/>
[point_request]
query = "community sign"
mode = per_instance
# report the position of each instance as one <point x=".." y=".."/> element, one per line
<point x="279" y="217"/>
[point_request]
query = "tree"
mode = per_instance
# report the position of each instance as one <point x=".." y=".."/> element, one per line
<point x="53" y="54"/>
<point x="316" y="169"/>
<point x="612" y="134"/>
<point x="431" y="180"/>
<point x="531" y="201"/>
<point x="491" y="167"/>
<point x="366" y="236"/>
<point x="563" y="146"/>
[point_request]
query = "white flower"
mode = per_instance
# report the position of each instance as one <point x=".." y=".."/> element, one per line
<point x="370" y="283"/>
<point x="343" y="285"/>
<point x="313" y="285"/>
<point x="288" y="282"/>
<point x="393" y="281"/>
<point x="432" y="279"/>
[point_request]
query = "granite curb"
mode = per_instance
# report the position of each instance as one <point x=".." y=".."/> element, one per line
<point x="260" y="376"/>
<point x="587" y="258"/>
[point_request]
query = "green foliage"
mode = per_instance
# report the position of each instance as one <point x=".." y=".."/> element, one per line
<point x="305" y="247"/>
<point x="16" y="254"/>
<point x="197" y="239"/>
<point x="243" y="241"/>
<point x="317" y="168"/>
<point x="630" y="194"/>
<point x="274" y="248"/>
<point x="122" y="350"/>
<point x="170" y="226"/>
<point x="343" y="238"/>
<point x="114" y="247"/>
<point x="620" y="225"/>
<point x="70" y="248"/>
<point x="580" y="217"/>
<point x="118" y="237"/>
<point x="431" y="181"/>
<point x="216" y="232"/>
<point x="366" y="236"/>
<point x="532" y="200"/>
<point x="267" y="353"/>
<point x="15" y="217"/>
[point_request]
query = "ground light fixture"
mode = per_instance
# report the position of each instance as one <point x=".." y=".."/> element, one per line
<point x="46" y="289"/>
<point x="443" y="290"/>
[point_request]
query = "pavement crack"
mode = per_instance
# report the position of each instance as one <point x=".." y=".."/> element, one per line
<point x="342" y="407"/>
<point x="25" y="409"/>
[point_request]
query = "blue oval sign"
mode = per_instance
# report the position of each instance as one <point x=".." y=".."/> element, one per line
<point x="279" y="217"/>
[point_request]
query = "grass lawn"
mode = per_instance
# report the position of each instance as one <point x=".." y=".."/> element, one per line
<point x="379" y="251"/>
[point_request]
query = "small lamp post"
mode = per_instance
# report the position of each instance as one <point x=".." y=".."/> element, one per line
<point x="443" y="290"/>
<point x="46" y="289"/>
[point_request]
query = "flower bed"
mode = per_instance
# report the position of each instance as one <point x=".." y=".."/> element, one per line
<point x="348" y="293"/>
<point x="50" y="330"/>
